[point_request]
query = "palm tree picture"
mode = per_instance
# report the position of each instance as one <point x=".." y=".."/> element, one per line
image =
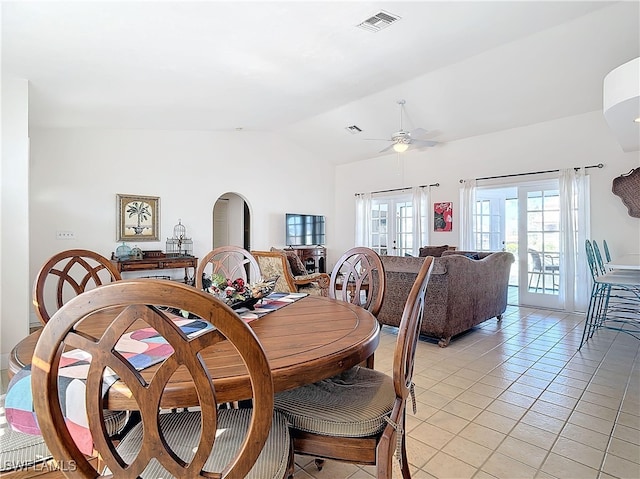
<point x="139" y="218"/>
<point x="142" y="212"/>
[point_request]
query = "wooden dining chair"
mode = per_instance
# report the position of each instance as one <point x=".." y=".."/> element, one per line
<point x="222" y="442"/>
<point x="358" y="277"/>
<point x="232" y="262"/>
<point x="359" y="416"/>
<point x="63" y="277"/>
<point x="67" y="274"/>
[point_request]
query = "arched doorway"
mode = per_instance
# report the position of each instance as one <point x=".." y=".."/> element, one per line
<point x="231" y="221"/>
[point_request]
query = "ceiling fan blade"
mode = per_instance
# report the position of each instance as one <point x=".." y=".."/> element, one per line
<point x="423" y="143"/>
<point x="387" y="148"/>
<point x="418" y="133"/>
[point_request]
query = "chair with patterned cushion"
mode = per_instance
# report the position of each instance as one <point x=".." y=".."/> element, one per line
<point x="19" y="451"/>
<point x="232" y="262"/>
<point x="276" y="263"/>
<point x="63" y="277"/>
<point x="359" y="416"/>
<point x="67" y="274"/>
<point x="202" y="442"/>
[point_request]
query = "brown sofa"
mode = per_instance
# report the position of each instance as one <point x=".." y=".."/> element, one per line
<point x="461" y="293"/>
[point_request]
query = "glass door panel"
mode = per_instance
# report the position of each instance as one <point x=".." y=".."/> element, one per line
<point x="539" y="245"/>
<point x="379" y="237"/>
<point x="403" y="244"/>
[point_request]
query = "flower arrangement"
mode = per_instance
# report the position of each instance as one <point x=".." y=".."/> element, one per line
<point x="237" y="293"/>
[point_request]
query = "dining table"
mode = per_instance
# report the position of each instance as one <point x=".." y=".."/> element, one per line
<point x="306" y="341"/>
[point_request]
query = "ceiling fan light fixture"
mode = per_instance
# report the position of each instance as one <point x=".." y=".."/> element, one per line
<point x="400" y="147"/>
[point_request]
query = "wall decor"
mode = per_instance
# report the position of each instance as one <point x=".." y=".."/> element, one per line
<point x="138" y="218"/>
<point x="443" y="216"/>
<point x="627" y="187"/>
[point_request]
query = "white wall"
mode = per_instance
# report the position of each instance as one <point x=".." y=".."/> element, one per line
<point x="14" y="216"/>
<point x="76" y="174"/>
<point x="568" y="142"/>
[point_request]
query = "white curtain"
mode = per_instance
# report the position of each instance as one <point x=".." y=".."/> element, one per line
<point x="575" y="228"/>
<point x="467" y="209"/>
<point x="363" y="220"/>
<point x="420" y="200"/>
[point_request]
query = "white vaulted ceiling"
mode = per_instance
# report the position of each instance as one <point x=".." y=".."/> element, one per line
<point x="304" y="69"/>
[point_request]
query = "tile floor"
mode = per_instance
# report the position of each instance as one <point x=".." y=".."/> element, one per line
<point x="517" y="400"/>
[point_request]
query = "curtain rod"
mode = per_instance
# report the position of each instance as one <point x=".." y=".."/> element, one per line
<point x="399" y="189"/>
<point x="599" y="165"/>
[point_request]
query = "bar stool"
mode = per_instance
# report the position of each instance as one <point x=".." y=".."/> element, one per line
<point x="615" y="299"/>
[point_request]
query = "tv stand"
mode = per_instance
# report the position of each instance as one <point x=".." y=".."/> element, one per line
<point x="314" y="258"/>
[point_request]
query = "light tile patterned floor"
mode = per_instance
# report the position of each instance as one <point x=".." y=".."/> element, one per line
<point x="517" y="400"/>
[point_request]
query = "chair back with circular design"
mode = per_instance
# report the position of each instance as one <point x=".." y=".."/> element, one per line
<point x="232" y="262"/>
<point x="358" y="277"/>
<point x="148" y="301"/>
<point x="66" y="275"/>
<point x="359" y="416"/>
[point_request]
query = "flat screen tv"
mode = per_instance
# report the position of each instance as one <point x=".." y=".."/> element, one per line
<point x="304" y="230"/>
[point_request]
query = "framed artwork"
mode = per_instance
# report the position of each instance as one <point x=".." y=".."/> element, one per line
<point x="443" y="216"/>
<point x="138" y="218"/>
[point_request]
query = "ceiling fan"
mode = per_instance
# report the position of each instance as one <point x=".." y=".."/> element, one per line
<point x="403" y="140"/>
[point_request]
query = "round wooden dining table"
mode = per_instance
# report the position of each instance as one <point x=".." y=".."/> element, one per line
<point x="306" y="341"/>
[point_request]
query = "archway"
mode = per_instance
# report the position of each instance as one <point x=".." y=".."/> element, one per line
<point x="231" y="221"/>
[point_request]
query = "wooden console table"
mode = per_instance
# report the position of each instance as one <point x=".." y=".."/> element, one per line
<point x="160" y="262"/>
<point x="313" y="257"/>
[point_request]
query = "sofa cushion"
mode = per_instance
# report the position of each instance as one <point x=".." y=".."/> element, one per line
<point x="296" y="264"/>
<point x="435" y="251"/>
<point x="468" y="254"/>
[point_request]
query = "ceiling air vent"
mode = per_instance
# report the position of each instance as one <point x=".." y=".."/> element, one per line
<point x="379" y="21"/>
<point x="353" y="129"/>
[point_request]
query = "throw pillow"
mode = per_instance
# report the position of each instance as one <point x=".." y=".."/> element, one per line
<point x="295" y="263"/>
<point x="435" y="251"/>
<point x="297" y="266"/>
<point x="472" y="256"/>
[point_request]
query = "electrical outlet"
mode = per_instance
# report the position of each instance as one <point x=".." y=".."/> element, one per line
<point x="65" y="235"/>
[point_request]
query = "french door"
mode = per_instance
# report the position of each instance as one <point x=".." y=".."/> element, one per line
<point x="524" y="219"/>
<point x="541" y="264"/>
<point x="392" y="225"/>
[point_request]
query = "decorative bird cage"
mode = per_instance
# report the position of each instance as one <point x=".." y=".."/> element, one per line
<point x="136" y="253"/>
<point x="179" y="245"/>
<point x="123" y="252"/>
